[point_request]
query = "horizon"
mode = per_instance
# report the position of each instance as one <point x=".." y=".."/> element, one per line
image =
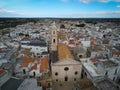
<point x="61" y="17"/>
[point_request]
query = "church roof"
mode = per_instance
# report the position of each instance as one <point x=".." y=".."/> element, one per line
<point x="64" y="52"/>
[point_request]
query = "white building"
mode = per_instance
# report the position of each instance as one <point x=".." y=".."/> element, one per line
<point x="96" y="69"/>
<point x="4" y="76"/>
<point x="36" y="46"/>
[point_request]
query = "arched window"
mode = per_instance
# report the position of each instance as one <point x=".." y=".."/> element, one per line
<point x="80" y="56"/>
<point x="53" y="40"/>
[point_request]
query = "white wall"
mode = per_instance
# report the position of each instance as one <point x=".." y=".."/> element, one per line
<point x="36" y="49"/>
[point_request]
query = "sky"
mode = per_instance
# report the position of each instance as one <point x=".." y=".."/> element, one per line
<point x="60" y="8"/>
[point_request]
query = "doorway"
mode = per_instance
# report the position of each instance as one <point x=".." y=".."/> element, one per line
<point x="34" y="74"/>
<point x="24" y="72"/>
<point x="66" y="78"/>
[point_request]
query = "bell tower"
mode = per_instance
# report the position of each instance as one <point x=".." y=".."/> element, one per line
<point x="53" y="48"/>
<point x="54" y="38"/>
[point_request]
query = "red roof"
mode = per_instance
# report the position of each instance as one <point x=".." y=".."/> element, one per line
<point x="1" y="71"/>
<point x="44" y="64"/>
<point x="73" y="43"/>
<point x="116" y="52"/>
<point x="34" y="67"/>
<point x="94" y="59"/>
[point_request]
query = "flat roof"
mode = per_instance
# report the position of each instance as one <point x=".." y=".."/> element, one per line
<point x="29" y="84"/>
<point x="106" y="84"/>
<point x="12" y="84"/>
<point x="109" y="63"/>
<point x="37" y="43"/>
<point x="92" y="71"/>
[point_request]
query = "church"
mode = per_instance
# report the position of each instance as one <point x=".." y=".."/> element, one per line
<point x="63" y="66"/>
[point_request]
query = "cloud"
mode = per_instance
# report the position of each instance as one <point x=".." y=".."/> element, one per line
<point x="9" y="13"/>
<point x="85" y="1"/>
<point x="103" y="1"/>
<point x="6" y="11"/>
<point x="118" y="6"/>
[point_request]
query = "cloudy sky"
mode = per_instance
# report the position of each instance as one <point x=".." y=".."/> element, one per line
<point x="60" y="8"/>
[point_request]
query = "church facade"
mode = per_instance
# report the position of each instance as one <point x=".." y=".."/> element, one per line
<point x="64" y="68"/>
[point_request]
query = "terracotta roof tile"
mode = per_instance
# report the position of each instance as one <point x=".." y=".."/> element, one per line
<point x="116" y="52"/>
<point x="26" y="51"/>
<point x="26" y="61"/>
<point x="94" y="59"/>
<point x="1" y="71"/>
<point x="64" y="52"/>
<point x="44" y="64"/>
<point x="36" y="58"/>
<point x="34" y="67"/>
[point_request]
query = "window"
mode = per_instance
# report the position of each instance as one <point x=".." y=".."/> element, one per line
<point x="56" y="80"/>
<point x="82" y="76"/>
<point x="115" y="72"/>
<point x="114" y="79"/>
<point x="40" y="84"/>
<point x="106" y="73"/>
<point x="74" y="79"/>
<point x="24" y="72"/>
<point x="56" y="74"/>
<point x="36" y="48"/>
<point x="42" y="49"/>
<point x="53" y="40"/>
<point x="49" y="85"/>
<point x="53" y="32"/>
<point x="34" y="74"/>
<point x="85" y="74"/>
<point x="80" y="56"/>
<point x="76" y="73"/>
<point x="66" y="68"/>
<point x="38" y="53"/>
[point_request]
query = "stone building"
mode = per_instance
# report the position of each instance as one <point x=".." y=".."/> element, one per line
<point x="63" y="66"/>
<point x="66" y="68"/>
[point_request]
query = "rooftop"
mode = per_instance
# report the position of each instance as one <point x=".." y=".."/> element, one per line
<point x="1" y="71"/>
<point x="26" y="61"/>
<point x="106" y="84"/>
<point x="44" y="65"/>
<point x="109" y="63"/>
<point x="29" y="84"/>
<point x="94" y="59"/>
<point x="34" y="67"/>
<point x="37" y="43"/>
<point x="64" y="52"/>
<point x="12" y="84"/>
